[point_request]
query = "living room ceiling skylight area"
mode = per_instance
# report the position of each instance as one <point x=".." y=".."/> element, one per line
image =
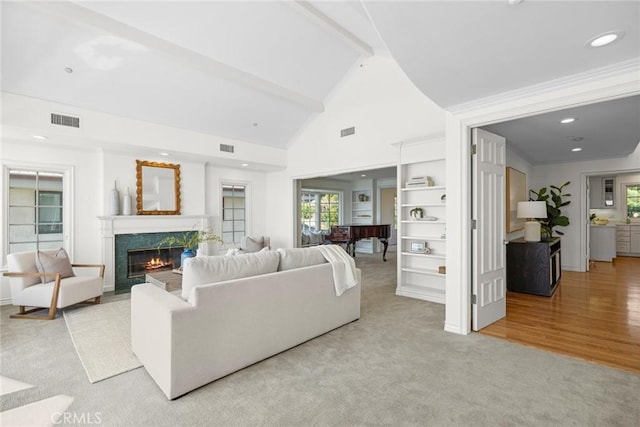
<point x="260" y="72"/>
<point x="250" y="71"/>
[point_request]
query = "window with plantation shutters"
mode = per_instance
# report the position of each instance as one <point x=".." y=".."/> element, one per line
<point x="233" y="213"/>
<point x="35" y="210"/>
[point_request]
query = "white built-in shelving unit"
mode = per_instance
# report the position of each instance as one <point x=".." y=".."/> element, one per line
<point x="422" y="274"/>
<point x="362" y="214"/>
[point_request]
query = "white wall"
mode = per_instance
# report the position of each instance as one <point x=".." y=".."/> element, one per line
<point x="385" y="108"/>
<point x="256" y="196"/>
<point x="121" y="169"/>
<point x="23" y="116"/>
<point x="573" y="241"/>
<point x="95" y="169"/>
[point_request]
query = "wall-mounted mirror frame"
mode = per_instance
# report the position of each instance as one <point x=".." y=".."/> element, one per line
<point x="157" y="188"/>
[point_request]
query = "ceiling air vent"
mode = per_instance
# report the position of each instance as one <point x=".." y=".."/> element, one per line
<point x="59" y="119"/>
<point x="226" y="148"/>
<point x="347" y="131"/>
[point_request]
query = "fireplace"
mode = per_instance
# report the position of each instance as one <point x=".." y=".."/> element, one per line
<point x="150" y="260"/>
<point x="125" y="232"/>
<point x="138" y="254"/>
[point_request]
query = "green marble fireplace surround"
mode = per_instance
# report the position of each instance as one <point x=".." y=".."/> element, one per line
<point x="127" y="242"/>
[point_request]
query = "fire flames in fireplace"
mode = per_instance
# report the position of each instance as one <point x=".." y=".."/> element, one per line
<point x="157" y="263"/>
<point x="143" y="261"/>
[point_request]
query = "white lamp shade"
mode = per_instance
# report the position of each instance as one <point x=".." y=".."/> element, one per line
<point x="532" y="210"/>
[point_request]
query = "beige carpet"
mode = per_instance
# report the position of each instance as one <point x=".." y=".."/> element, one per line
<point x="101" y="335"/>
<point x="396" y="366"/>
<point x="45" y="412"/>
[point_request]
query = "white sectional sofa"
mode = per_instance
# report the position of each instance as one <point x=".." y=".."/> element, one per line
<point x="226" y="326"/>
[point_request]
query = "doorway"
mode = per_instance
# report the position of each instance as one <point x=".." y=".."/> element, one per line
<point x="388" y="213"/>
<point x="608" y="206"/>
<point x="350" y="185"/>
<point x="579" y="233"/>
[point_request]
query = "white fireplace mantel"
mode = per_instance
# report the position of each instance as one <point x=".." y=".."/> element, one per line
<point x="111" y="226"/>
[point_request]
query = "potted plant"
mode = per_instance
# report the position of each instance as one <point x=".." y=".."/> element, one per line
<point x="554" y="198"/>
<point x="190" y="240"/>
<point x="417" y="213"/>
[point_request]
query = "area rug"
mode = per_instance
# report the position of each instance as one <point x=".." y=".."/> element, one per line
<point x="101" y="335"/>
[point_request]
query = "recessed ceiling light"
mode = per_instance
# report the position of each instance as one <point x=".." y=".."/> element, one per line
<point x="245" y="164"/>
<point x="575" y="138"/>
<point x="568" y="120"/>
<point x="39" y="137"/>
<point x="363" y="175"/>
<point x="576" y="149"/>
<point x="68" y="70"/>
<point x="514" y="2"/>
<point x="164" y="154"/>
<point x="605" y="39"/>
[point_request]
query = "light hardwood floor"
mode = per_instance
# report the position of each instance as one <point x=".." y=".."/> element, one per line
<point x="593" y="316"/>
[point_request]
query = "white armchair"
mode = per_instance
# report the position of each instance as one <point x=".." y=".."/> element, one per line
<point x="28" y="289"/>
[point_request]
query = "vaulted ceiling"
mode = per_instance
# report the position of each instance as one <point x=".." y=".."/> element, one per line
<point x="259" y="71"/>
<point x="253" y="71"/>
<point x="460" y="51"/>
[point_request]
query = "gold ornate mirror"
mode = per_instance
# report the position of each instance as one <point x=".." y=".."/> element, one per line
<point x="157" y="188"/>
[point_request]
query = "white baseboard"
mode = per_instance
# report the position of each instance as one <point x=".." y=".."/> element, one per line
<point x="423" y="294"/>
<point x="453" y="328"/>
<point x="5" y="301"/>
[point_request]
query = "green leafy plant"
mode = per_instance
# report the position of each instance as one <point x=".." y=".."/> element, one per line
<point x="554" y="197"/>
<point x="190" y="239"/>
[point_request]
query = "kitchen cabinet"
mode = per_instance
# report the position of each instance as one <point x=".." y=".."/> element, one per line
<point x="602" y="192"/>
<point x="634" y="240"/>
<point x="602" y="243"/>
<point x="608" y="192"/>
<point x="628" y="240"/>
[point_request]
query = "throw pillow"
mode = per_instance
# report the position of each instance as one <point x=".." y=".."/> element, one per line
<point x="253" y="245"/>
<point x="316" y="238"/>
<point x="58" y="263"/>
<point x="306" y="237"/>
<point x="232" y="252"/>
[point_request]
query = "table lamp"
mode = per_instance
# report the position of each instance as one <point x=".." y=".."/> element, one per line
<point x="531" y="211"/>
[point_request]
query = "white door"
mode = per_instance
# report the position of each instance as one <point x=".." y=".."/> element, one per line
<point x="489" y="255"/>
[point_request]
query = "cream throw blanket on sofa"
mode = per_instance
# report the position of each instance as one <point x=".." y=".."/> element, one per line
<point x="343" y="265"/>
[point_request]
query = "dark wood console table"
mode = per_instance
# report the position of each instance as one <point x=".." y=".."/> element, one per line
<point x="350" y="234"/>
<point x="533" y="267"/>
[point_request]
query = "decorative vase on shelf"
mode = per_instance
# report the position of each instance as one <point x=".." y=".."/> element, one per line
<point x="187" y="253"/>
<point x="126" y="204"/>
<point x="114" y="200"/>
<point x="417" y="213"/>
